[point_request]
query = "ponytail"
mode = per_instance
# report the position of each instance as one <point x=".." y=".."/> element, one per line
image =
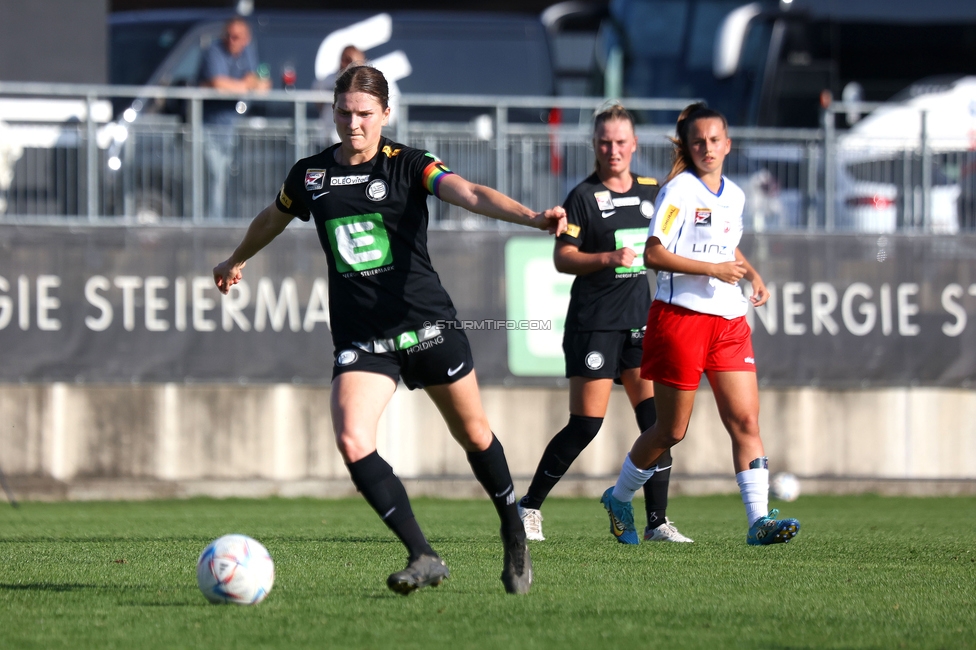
<point x="681" y="160"/>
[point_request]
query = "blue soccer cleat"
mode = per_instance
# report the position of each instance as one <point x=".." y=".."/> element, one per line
<point x="621" y="518"/>
<point x="769" y="530"/>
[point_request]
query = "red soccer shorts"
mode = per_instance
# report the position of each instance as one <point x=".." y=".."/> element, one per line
<point x="681" y="344"/>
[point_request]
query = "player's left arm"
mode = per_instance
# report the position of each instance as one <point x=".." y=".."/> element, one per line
<point x="495" y="205"/>
<point x="759" y="292"/>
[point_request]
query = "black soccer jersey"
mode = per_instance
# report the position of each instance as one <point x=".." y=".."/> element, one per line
<point x="599" y="221"/>
<point x="372" y="222"/>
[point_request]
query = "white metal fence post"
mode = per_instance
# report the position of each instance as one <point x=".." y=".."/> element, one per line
<point x="301" y="131"/>
<point x="926" y="174"/>
<point x="196" y="159"/>
<point x="501" y="148"/>
<point x="830" y="171"/>
<point x="91" y="159"/>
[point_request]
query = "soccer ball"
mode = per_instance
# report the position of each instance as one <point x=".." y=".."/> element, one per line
<point x="235" y="569"/>
<point x="784" y="487"/>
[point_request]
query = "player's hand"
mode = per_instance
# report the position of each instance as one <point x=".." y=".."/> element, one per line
<point x="759" y="292"/>
<point x="730" y="272"/>
<point x="554" y="220"/>
<point x="227" y="274"/>
<point x="621" y="257"/>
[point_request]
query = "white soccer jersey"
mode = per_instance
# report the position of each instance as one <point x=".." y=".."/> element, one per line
<point x="693" y="222"/>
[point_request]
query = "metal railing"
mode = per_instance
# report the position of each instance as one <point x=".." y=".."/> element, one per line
<point x="889" y="172"/>
<point x="160" y="159"/>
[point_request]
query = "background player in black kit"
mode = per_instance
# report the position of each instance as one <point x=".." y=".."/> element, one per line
<point x="608" y="215"/>
<point x="368" y="198"/>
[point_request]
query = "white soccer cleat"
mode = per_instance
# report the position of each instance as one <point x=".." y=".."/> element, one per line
<point x="666" y="532"/>
<point x="532" y="520"/>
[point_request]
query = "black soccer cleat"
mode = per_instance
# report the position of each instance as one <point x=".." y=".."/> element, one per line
<point x="420" y="572"/>
<point x="517" y="574"/>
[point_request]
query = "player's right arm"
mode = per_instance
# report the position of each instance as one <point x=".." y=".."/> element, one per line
<point x="569" y="259"/>
<point x="657" y="257"/>
<point x="567" y="256"/>
<point x="269" y="223"/>
<point x="665" y="228"/>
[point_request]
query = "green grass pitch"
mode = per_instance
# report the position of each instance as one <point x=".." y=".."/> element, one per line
<point x="864" y="572"/>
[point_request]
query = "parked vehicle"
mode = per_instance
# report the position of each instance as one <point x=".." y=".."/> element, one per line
<point x="924" y="137"/>
<point x="768" y="62"/>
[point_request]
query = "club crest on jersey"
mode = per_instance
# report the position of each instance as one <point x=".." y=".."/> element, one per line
<point x="603" y="200"/>
<point x="703" y="217"/>
<point x="647" y="209"/>
<point x="314" y="179"/>
<point x="377" y="190"/>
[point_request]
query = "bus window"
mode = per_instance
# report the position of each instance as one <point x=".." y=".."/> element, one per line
<point x="669" y="51"/>
<point x="784" y="58"/>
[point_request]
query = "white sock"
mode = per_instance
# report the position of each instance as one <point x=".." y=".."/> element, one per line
<point x="754" y="486"/>
<point x="630" y="480"/>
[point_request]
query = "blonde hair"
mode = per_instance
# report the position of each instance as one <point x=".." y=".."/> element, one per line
<point x="607" y="113"/>
<point x="681" y="156"/>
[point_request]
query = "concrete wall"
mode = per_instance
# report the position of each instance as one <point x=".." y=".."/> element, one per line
<point x="80" y="441"/>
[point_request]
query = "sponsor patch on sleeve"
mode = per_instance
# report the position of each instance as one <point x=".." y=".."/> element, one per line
<point x="646" y="180"/>
<point x="668" y="219"/>
<point x="284" y="198"/>
<point x="314" y="179"/>
<point x="573" y="230"/>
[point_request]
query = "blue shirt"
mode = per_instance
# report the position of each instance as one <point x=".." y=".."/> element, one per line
<point x="218" y="62"/>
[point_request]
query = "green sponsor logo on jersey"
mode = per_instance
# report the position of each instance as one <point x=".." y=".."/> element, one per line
<point x="360" y="243"/>
<point x="406" y="340"/>
<point x="634" y="239"/>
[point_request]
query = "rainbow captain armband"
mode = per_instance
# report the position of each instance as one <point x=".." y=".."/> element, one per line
<point x="433" y="174"/>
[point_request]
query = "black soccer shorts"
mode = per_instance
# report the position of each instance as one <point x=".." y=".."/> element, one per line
<point x="425" y="358"/>
<point x="602" y="355"/>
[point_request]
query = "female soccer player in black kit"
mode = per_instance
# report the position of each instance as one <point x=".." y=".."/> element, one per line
<point x="608" y="215"/>
<point x="368" y="198"/>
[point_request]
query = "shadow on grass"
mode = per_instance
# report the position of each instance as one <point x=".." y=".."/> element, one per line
<point x="197" y="539"/>
<point x="74" y="586"/>
<point x="50" y="586"/>
<point x="133" y="593"/>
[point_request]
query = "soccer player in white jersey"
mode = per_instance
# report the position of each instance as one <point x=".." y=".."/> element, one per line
<point x="697" y="324"/>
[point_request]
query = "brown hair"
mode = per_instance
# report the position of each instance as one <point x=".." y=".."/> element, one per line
<point x="681" y="157"/>
<point x="363" y="79"/>
<point x="609" y="113"/>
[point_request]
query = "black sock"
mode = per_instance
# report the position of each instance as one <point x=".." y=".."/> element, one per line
<point x="560" y="453"/>
<point x="656" y="492"/>
<point x="374" y="477"/>
<point x="646" y="413"/>
<point x="491" y="470"/>
<point x="656" y="489"/>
